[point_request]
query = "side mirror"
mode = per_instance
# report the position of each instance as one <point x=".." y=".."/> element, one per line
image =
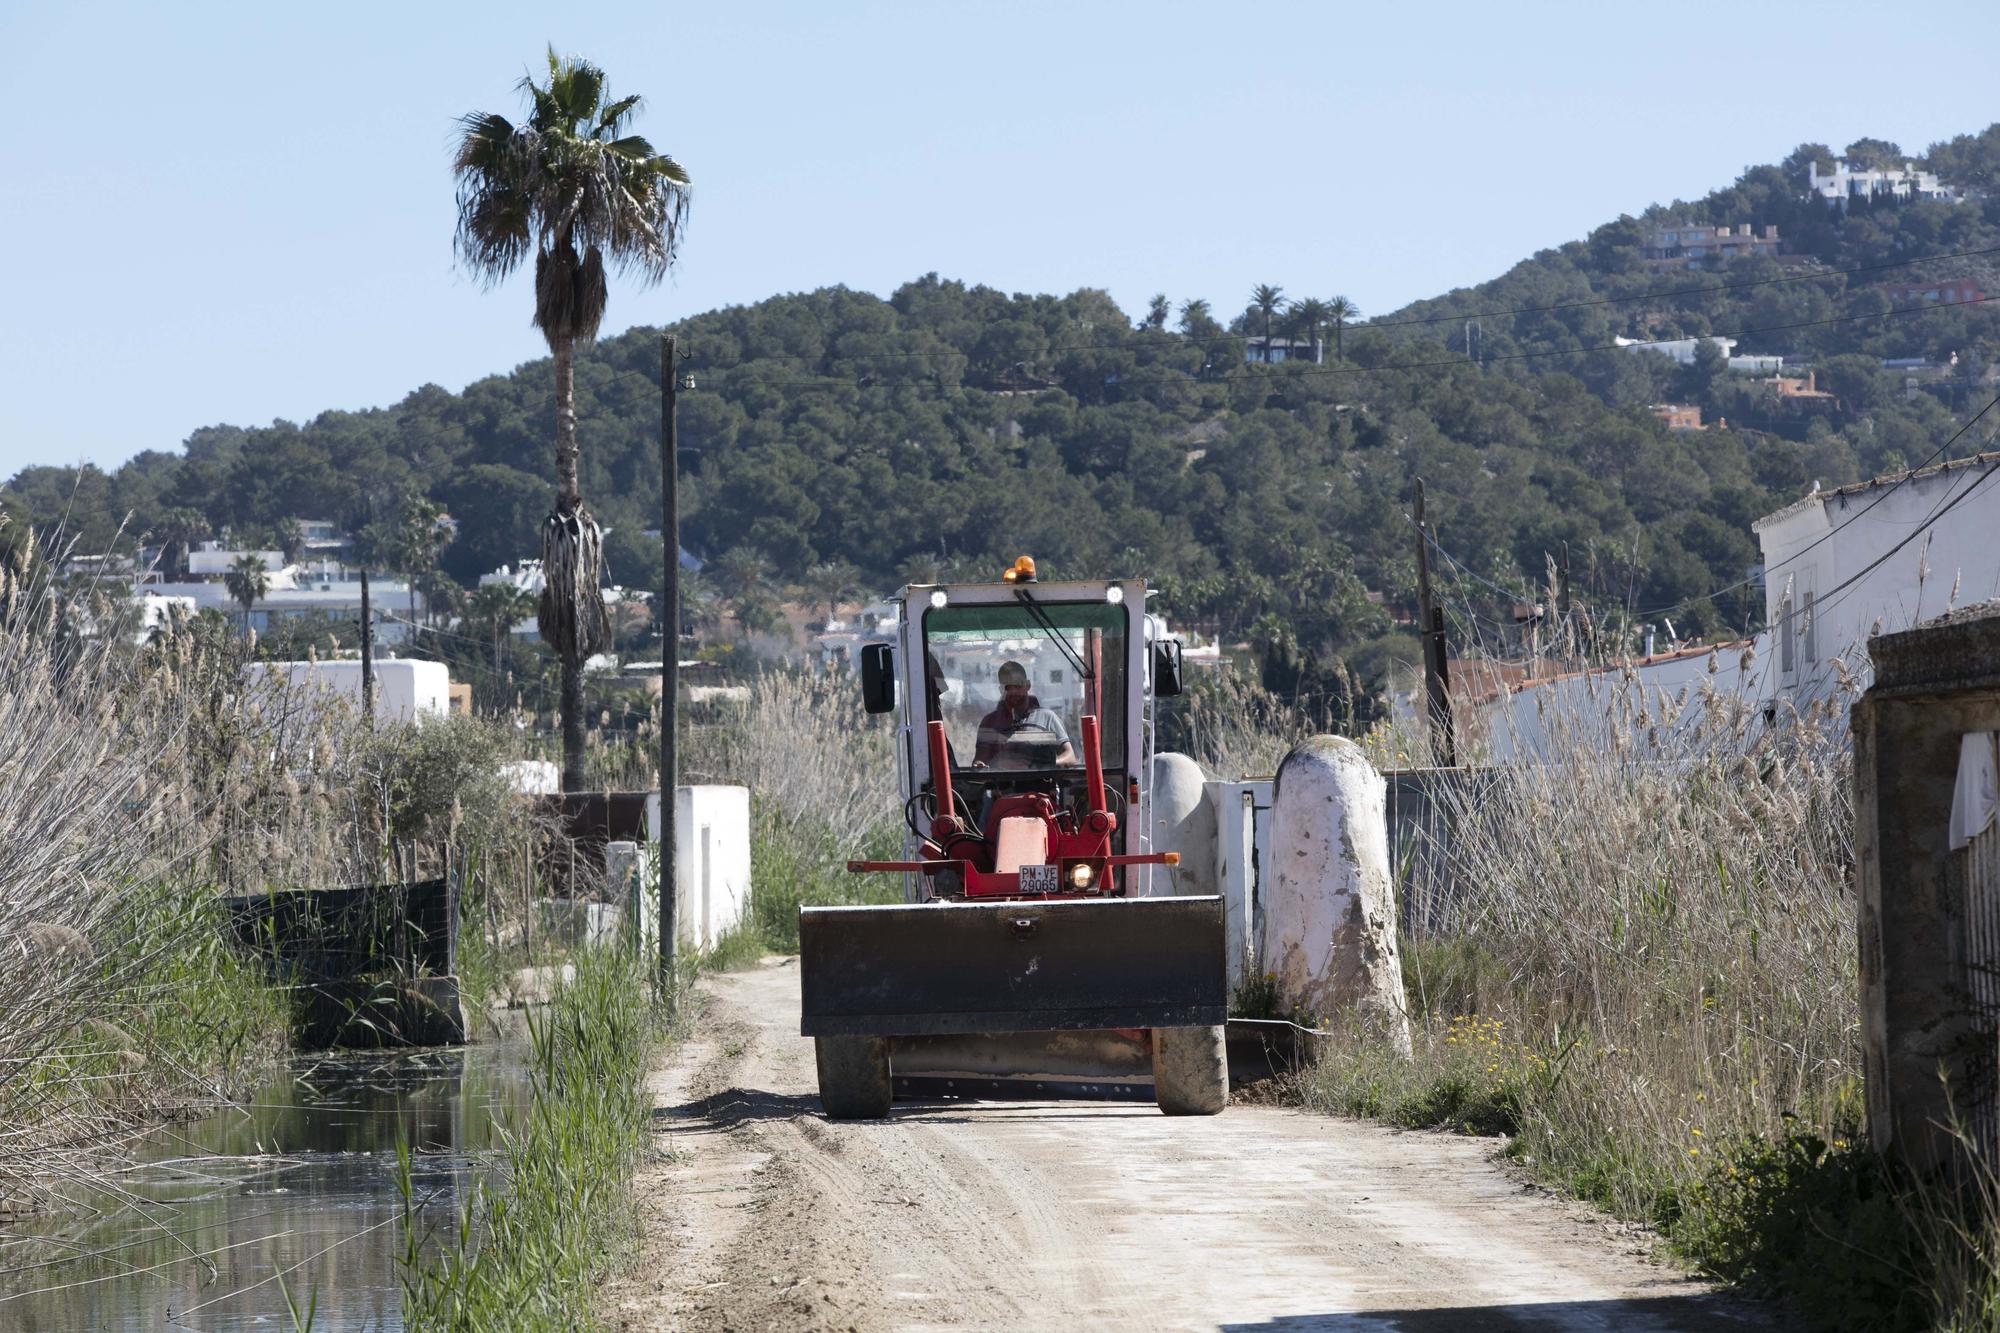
<point x="878" y="678"/>
<point x="1166" y="668"/>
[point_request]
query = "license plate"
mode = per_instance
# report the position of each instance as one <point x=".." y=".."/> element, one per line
<point x="1040" y="879"/>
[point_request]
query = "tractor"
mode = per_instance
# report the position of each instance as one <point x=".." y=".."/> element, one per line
<point x="1040" y="946"/>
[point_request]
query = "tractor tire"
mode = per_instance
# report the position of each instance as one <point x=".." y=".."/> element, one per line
<point x="854" y="1081"/>
<point x="1190" y="1070"/>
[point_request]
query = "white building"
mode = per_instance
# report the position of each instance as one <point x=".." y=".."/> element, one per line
<point x="299" y="592"/>
<point x="213" y="559"/>
<point x="1681" y="351"/>
<point x="842" y="641"/>
<point x="1842" y="186"/>
<point x="1271" y="351"/>
<point x="405" y="690"/>
<point x="1553" y="715"/>
<point x="1842" y="565"/>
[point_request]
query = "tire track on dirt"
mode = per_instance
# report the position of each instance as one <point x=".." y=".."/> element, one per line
<point x="761" y="1214"/>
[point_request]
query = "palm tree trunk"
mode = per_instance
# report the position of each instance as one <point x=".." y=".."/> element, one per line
<point x="569" y="499"/>
<point x="572" y="724"/>
<point x="569" y="495"/>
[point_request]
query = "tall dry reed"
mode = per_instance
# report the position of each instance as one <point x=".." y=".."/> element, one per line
<point x="1645" y="953"/>
<point x="139" y="784"/>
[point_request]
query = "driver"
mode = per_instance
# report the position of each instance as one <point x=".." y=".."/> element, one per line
<point x="1020" y="733"/>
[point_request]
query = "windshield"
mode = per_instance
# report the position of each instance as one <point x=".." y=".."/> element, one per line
<point x="1011" y="696"/>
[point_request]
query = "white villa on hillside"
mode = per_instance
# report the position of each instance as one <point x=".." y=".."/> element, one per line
<point x="1843" y="185"/>
<point x="1835" y="574"/>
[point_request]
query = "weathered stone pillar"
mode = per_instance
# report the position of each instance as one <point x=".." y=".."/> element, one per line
<point x="1330" y="912"/>
<point x="1928" y="1056"/>
<point x="1183" y="822"/>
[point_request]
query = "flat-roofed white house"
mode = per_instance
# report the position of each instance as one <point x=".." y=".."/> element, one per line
<point x="1844" y="564"/>
<point x="301" y="591"/>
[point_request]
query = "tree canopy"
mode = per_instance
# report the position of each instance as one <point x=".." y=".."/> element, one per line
<point x="951" y="426"/>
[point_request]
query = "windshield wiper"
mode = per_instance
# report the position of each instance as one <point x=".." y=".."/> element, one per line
<point x="1048" y="627"/>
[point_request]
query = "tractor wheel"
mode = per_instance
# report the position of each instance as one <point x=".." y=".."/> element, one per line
<point x="1190" y="1070"/>
<point x="854" y="1077"/>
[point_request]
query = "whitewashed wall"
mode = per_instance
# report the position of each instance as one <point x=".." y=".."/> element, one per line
<point x="405" y="689"/>
<point x="712" y="860"/>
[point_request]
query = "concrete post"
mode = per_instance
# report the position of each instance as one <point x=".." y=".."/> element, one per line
<point x="1184" y="822"/>
<point x="1330" y="913"/>
<point x="625" y="878"/>
<point x="1928" y="1057"/>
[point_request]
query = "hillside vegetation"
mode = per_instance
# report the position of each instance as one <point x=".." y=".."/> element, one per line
<point x="947" y="428"/>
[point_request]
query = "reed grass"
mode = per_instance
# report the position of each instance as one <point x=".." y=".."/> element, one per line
<point x="822" y="779"/>
<point x="142" y="781"/>
<point x="1644" y="972"/>
<point x="528" y="1250"/>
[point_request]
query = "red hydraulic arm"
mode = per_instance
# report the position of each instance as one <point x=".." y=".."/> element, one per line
<point x="1098" y="817"/>
<point x="944" y="815"/>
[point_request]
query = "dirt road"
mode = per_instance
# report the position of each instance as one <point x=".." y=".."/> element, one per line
<point x="761" y="1214"/>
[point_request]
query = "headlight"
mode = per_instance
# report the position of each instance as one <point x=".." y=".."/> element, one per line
<point x="1082" y="874"/>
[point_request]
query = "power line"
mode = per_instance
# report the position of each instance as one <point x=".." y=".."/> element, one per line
<point x="1828" y="535"/>
<point x="1708" y="289"/>
<point x="1182" y="377"/>
<point x="1901" y="480"/>
<point x="1938" y="511"/>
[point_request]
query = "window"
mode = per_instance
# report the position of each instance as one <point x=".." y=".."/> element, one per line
<point x="1808" y="637"/>
<point x="1786" y="662"/>
<point x="973" y="645"/>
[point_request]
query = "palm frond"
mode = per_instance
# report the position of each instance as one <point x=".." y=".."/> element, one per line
<point x="612" y="116"/>
<point x="572" y="617"/>
<point x="560" y="185"/>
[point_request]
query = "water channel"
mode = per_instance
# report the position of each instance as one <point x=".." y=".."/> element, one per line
<point x="214" y="1221"/>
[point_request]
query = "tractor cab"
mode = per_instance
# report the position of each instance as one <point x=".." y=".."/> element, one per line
<point x="1034" y="943"/>
<point x="1025" y="734"/>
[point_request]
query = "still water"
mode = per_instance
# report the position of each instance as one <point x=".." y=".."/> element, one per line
<point x="216" y="1220"/>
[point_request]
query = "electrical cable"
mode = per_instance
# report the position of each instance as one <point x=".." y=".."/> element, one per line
<point x="1828" y="535"/>
<point x="1938" y="511"/>
<point x="1901" y="479"/>
<point x="1182" y="377"/>
<point x="1708" y="289"/>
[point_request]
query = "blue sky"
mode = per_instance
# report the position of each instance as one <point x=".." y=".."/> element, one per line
<point x="240" y="212"/>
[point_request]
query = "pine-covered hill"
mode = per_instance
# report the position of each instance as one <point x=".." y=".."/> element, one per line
<point x="1828" y="307"/>
<point x="950" y="427"/>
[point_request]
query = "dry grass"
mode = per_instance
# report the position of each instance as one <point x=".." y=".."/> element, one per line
<point x="822" y="780"/>
<point x="1647" y="958"/>
<point x="138" y="785"/>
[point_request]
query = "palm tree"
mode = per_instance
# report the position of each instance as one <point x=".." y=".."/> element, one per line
<point x="1266" y="299"/>
<point x="1157" y="311"/>
<point x="494" y="609"/>
<point x="743" y="576"/>
<point x="701" y="605"/>
<point x="1340" y="310"/>
<point x="417" y="540"/>
<point x="830" y="581"/>
<point x="179" y="529"/>
<point x="291" y="536"/>
<point x="1307" y="317"/>
<point x="247" y="581"/>
<point x="574" y="188"/>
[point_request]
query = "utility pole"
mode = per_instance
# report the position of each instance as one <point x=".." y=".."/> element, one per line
<point x="670" y="651"/>
<point x="1430" y="633"/>
<point x="367" y="633"/>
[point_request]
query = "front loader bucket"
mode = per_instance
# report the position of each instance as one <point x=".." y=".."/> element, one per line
<point x="1054" y="965"/>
